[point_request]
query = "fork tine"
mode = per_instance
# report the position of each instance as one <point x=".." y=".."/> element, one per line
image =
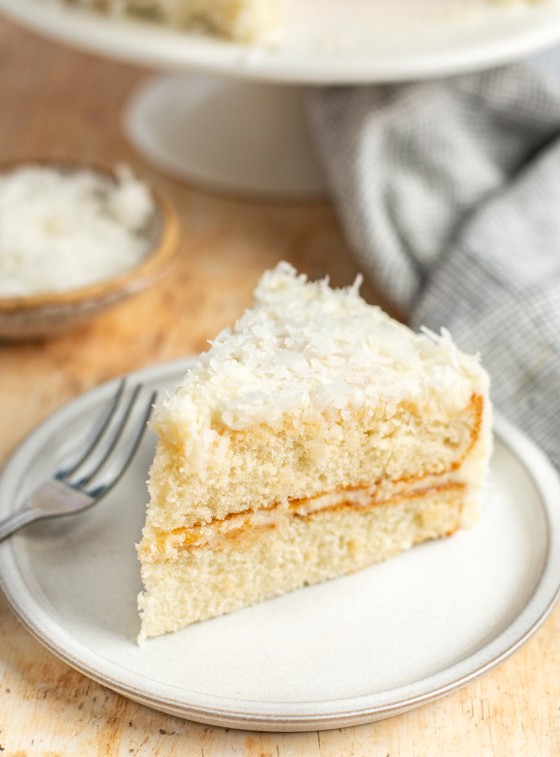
<point x="58" y="496"/>
<point x="63" y="473"/>
<point x="112" y="443"/>
<point x="116" y="477"/>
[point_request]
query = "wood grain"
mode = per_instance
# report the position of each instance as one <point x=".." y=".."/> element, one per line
<point x="55" y="102"/>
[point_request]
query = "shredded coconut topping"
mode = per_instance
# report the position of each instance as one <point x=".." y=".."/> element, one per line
<point x="62" y="230"/>
<point x="306" y="347"/>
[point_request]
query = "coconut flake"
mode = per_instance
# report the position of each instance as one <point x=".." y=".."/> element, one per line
<point x="306" y="347"/>
<point x="63" y="230"/>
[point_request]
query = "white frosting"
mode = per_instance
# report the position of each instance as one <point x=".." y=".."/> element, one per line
<point x="306" y="347"/>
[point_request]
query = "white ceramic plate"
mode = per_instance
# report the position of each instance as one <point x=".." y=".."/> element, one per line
<point x="356" y="649"/>
<point x="326" y="40"/>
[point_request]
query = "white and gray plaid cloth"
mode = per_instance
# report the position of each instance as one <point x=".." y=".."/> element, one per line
<point x="449" y="193"/>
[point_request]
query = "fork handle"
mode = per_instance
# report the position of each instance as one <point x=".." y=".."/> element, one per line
<point x="18" y="520"/>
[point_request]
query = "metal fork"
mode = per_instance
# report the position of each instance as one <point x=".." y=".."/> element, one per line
<point x="108" y="454"/>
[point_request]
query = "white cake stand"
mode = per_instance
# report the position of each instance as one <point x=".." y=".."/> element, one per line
<point x="232" y="117"/>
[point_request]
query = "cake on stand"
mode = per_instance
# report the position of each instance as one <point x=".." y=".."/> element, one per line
<point x="232" y="117"/>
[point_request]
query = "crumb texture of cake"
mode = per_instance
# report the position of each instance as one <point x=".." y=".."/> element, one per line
<point x="314" y="438"/>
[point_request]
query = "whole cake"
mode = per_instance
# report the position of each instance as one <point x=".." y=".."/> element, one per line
<point x="317" y="437"/>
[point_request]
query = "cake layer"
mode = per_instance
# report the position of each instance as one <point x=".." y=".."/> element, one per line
<point x="313" y="390"/>
<point x="304" y="459"/>
<point x="205" y="582"/>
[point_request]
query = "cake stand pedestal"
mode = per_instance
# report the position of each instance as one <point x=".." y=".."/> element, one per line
<point x="227" y="134"/>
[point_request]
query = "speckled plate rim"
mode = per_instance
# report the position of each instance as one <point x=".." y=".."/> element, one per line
<point x="488" y="44"/>
<point x="272" y="716"/>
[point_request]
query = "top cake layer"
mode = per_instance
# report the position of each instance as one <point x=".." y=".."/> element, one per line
<point x="305" y="345"/>
<point x="314" y="392"/>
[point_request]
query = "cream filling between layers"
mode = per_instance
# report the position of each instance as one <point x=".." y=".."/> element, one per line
<point x="159" y="545"/>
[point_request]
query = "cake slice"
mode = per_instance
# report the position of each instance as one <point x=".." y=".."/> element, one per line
<point x="317" y="437"/>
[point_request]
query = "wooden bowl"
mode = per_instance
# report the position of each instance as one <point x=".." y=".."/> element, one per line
<point x="50" y="313"/>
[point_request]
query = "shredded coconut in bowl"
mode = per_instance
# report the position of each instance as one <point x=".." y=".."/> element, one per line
<point x="65" y="229"/>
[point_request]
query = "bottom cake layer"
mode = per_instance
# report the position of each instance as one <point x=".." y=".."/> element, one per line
<point x="204" y="582"/>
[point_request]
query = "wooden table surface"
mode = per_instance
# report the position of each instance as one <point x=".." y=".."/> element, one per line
<point x="55" y="102"/>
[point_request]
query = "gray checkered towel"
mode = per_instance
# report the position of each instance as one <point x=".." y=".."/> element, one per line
<point x="449" y="193"/>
